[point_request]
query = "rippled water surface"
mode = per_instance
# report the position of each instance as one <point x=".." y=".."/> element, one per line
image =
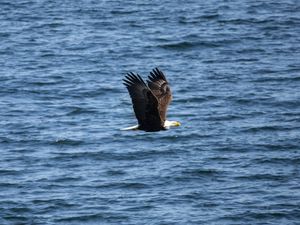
<point x="235" y="74"/>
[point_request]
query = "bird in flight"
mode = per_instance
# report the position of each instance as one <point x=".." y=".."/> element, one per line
<point x="150" y="101"/>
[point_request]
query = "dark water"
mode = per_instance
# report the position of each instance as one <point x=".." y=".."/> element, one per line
<point x="235" y="73"/>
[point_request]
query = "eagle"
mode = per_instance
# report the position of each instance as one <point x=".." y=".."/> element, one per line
<point x="150" y="101"/>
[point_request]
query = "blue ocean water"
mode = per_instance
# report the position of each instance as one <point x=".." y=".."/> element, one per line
<point x="234" y="70"/>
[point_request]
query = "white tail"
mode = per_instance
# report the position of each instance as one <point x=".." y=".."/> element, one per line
<point x="135" y="127"/>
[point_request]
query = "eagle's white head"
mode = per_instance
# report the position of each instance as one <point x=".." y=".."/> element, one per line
<point x="169" y="124"/>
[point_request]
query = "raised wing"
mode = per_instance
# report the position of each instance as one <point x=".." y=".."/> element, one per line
<point x="160" y="88"/>
<point x="145" y="104"/>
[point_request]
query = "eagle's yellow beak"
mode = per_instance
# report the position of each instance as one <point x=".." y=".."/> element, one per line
<point x="177" y="124"/>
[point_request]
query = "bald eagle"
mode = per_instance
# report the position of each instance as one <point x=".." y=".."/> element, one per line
<point x="150" y="102"/>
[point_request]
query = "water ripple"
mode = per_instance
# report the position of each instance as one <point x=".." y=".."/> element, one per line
<point x="234" y="69"/>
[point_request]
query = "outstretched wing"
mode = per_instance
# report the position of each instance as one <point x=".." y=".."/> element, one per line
<point x="160" y="88"/>
<point x="145" y="104"/>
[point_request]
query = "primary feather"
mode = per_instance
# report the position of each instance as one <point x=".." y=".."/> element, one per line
<point x="160" y="88"/>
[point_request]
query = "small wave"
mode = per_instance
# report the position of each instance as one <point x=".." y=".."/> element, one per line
<point x="4" y="35"/>
<point x="271" y="214"/>
<point x="224" y="117"/>
<point x="8" y="185"/>
<point x="244" y="101"/>
<point x="78" y="111"/>
<point x="276" y="78"/>
<point x="55" y="201"/>
<point x="120" y="12"/>
<point x="279" y="146"/>
<point x="124" y="185"/>
<point x="66" y="179"/>
<point x="137" y="155"/>
<point x="264" y="214"/>
<point x="247" y="21"/>
<point x="250" y="51"/>
<point x="293" y="104"/>
<point x="284" y="161"/>
<point x="67" y="141"/>
<point x="266" y="71"/>
<point x="210" y="16"/>
<point x="166" y="137"/>
<point x="6" y="140"/>
<point x="199" y="19"/>
<point x="114" y="156"/>
<point x="20" y="210"/>
<point x="195" y="99"/>
<point x="9" y="172"/>
<point x="189" y="44"/>
<point x="263" y="177"/>
<point x="179" y="45"/>
<point x="266" y="128"/>
<point x="201" y="172"/>
<point x="100" y="91"/>
<point x="44" y="83"/>
<point x="115" y="172"/>
<point x="138" y="208"/>
<point x="92" y="217"/>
